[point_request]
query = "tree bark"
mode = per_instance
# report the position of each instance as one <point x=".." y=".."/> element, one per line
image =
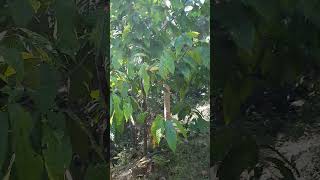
<point x="166" y="102"/>
<point x="145" y="128"/>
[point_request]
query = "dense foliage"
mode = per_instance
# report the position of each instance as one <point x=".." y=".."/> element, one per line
<point x="259" y="46"/>
<point x="52" y="121"/>
<point x="157" y="46"/>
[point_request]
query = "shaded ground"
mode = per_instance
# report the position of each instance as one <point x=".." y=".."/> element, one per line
<point x="305" y="152"/>
<point x="191" y="161"/>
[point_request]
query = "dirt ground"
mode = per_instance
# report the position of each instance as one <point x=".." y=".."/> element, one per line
<point x="191" y="161"/>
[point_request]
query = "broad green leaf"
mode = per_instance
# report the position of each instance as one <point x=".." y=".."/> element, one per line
<point x="145" y="78"/>
<point x="141" y="117"/>
<point x="195" y="54"/>
<point x="9" y="72"/>
<point x="163" y="71"/>
<point x="169" y="62"/>
<point x="127" y="110"/>
<point x="35" y="5"/>
<point x="222" y="142"/>
<point x="115" y="62"/>
<point x="130" y="70"/>
<point x="171" y="135"/>
<point x="231" y="103"/>
<point x="241" y="28"/>
<point x="58" y="152"/>
<point x="181" y="41"/>
<point x="4" y="127"/>
<point x="193" y="34"/>
<point x="126" y="30"/>
<point x="21" y="11"/>
<point x="146" y="83"/>
<point x="26" y="55"/>
<point x="44" y="95"/>
<point x="14" y="59"/>
<point x="267" y="9"/>
<point x="157" y="128"/>
<point x="243" y="155"/>
<point x="154" y="68"/>
<point x="100" y="31"/>
<point x="95" y="94"/>
<point x="186" y="73"/>
<point x="202" y="125"/>
<point x="28" y="163"/>
<point x="180" y="127"/>
<point x="116" y="100"/>
<point x="65" y="13"/>
<point x="205" y="57"/>
<point x="99" y="171"/>
<point x="39" y="41"/>
<point x="8" y="173"/>
<point x="119" y="120"/>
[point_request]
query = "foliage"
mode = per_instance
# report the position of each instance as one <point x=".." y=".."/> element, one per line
<point x="47" y="50"/>
<point x="259" y="45"/>
<point x="155" y="43"/>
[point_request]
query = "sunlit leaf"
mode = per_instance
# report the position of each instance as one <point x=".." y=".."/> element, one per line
<point x="157" y="128"/>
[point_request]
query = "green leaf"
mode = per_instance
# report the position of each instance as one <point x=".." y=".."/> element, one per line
<point x="157" y="128"/>
<point x="21" y="11"/>
<point x="231" y="103"/>
<point x="195" y="54"/>
<point x="193" y="34"/>
<point x="118" y="114"/>
<point x="119" y="120"/>
<point x="186" y="73"/>
<point x="180" y="127"/>
<point x="237" y="21"/>
<point x="116" y="100"/>
<point x="181" y="41"/>
<point x="171" y="135"/>
<point x="58" y="152"/>
<point x="130" y="70"/>
<point x="127" y="111"/>
<point x="145" y="78"/>
<point x="205" y="54"/>
<point x="243" y="155"/>
<point x="28" y="163"/>
<point x="13" y="58"/>
<point x="65" y="14"/>
<point x="95" y="94"/>
<point x="202" y="125"/>
<point x="35" y="5"/>
<point x="169" y="62"/>
<point x="44" y="95"/>
<point x="4" y="127"/>
<point x="166" y="64"/>
<point x="141" y="117"/>
<point x="267" y="9"/>
<point x="163" y="71"/>
<point x="222" y="142"/>
<point x="99" y="171"/>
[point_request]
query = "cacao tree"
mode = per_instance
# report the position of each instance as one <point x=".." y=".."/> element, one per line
<point x="159" y="49"/>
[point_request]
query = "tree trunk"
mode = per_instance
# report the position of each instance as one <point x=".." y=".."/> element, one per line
<point x="166" y="102"/>
<point x="145" y="127"/>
